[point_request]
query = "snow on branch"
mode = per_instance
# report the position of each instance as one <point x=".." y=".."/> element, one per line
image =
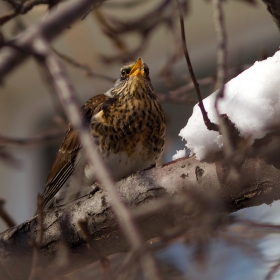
<point x="251" y="101"/>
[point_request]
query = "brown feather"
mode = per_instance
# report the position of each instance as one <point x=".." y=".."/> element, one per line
<point x="64" y="161"/>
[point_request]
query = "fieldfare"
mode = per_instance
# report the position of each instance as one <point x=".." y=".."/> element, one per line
<point x="128" y="127"/>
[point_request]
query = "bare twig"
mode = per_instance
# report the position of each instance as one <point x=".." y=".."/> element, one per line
<point x="274" y="269"/>
<point x="272" y="228"/>
<point x="144" y="26"/>
<point x="21" y="8"/>
<point x="221" y="50"/>
<point x="13" y="3"/>
<point x="36" y="140"/>
<point x="273" y="7"/>
<point x="2" y="39"/>
<point x="9" y="158"/>
<point x="167" y="71"/>
<point x="230" y="133"/>
<point x="174" y="98"/>
<point x="163" y="12"/>
<point x="208" y="123"/>
<point x="120" y="5"/>
<point x="109" y="31"/>
<point x="5" y="216"/>
<point x="89" y="72"/>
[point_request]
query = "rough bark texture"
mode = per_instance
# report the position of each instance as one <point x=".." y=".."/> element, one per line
<point x="259" y="182"/>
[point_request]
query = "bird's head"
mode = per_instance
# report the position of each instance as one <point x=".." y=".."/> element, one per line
<point x="133" y="76"/>
<point x="138" y="68"/>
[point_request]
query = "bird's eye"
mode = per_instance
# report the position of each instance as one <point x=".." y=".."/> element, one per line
<point x="146" y="70"/>
<point x="123" y="73"/>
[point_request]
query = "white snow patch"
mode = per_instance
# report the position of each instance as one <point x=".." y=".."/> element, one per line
<point x="179" y="154"/>
<point x="251" y="100"/>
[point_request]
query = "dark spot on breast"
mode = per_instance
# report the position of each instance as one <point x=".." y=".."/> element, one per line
<point x="96" y="126"/>
<point x="107" y="106"/>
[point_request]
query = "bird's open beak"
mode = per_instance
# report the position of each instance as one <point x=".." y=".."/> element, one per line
<point x="138" y="68"/>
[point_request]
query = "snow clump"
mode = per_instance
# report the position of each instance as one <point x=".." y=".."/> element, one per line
<point x="251" y="101"/>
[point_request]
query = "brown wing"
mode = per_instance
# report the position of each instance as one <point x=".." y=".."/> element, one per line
<point x="64" y="162"/>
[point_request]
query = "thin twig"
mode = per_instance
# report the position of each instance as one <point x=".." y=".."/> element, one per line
<point x="144" y="26"/>
<point x="268" y="226"/>
<point x="126" y="5"/>
<point x="273" y="7"/>
<point x="227" y="128"/>
<point x="274" y="269"/>
<point x="118" y="41"/>
<point x="13" y="3"/>
<point x="35" y="140"/>
<point x="2" y="39"/>
<point x="170" y="97"/>
<point x="89" y="72"/>
<point x="20" y="9"/>
<point x="221" y="50"/>
<point x="9" y="158"/>
<point x="5" y="216"/>
<point x="208" y="123"/>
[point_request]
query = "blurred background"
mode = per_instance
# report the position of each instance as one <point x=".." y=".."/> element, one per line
<point x="28" y="106"/>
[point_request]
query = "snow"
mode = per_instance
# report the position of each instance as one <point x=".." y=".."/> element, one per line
<point x="179" y="154"/>
<point x="251" y="100"/>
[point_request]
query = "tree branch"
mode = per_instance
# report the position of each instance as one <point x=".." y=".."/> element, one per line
<point x="259" y="183"/>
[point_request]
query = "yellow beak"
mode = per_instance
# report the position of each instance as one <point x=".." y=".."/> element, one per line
<point x="138" y="68"/>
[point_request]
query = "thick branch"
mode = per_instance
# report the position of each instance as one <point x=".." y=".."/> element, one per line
<point x="259" y="183"/>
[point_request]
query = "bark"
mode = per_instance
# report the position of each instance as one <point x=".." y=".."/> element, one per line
<point x="258" y="183"/>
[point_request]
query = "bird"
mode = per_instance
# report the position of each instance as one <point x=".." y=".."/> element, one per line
<point x="128" y="126"/>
